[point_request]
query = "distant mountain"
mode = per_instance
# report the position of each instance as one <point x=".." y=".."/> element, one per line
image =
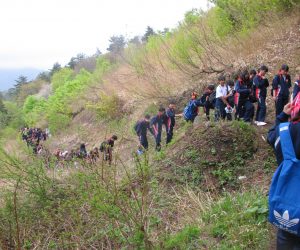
<point x="8" y="76"/>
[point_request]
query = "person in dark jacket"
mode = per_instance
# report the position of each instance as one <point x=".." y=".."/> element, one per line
<point x="286" y="240"/>
<point x="281" y="88"/>
<point x="207" y="102"/>
<point x="261" y="84"/>
<point x="170" y="114"/>
<point x="82" y="151"/>
<point x="296" y="87"/>
<point x="245" y="108"/>
<point x="108" y="148"/>
<point x="141" y="129"/>
<point x="156" y="124"/>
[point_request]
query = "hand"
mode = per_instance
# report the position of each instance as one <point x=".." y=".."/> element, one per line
<point x="228" y="106"/>
<point x="274" y="98"/>
<point x="288" y="109"/>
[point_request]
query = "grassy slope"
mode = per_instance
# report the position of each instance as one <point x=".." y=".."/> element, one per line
<point x="182" y="214"/>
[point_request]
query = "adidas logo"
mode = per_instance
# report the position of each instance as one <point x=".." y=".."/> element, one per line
<point x="285" y="219"/>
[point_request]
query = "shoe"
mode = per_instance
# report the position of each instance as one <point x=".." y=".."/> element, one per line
<point x="261" y="124"/>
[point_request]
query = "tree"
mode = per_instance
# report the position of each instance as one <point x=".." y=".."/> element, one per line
<point x="136" y="40"/>
<point x="21" y="80"/>
<point x="45" y="76"/>
<point x="56" y="67"/>
<point x="75" y="60"/>
<point x="2" y="106"/>
<point x="98" y="53"/>
<point x="149" y="32"/>
<point x="117" y="44"/>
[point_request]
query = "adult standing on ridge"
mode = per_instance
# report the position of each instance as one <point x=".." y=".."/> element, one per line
<point x="156" y="124"/>
<point x="284" y="199"/>
<point x="281" y="88"/>
<point x="261" y="84"/>
<point x="170" y="113"/>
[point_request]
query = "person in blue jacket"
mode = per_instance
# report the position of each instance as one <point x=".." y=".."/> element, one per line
<point x="281" y="88"/>
<point x="261" y="84"/>
<point x="192" y="109"/>
<point x="245" y="108"/>
<point x="141" y="129"/>
<point x="170" y="114"/>
<point x="296" y="87"/>
<point x="156" y="124"/>
<point x="286" y="240"/>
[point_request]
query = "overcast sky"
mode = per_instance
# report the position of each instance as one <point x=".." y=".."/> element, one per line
<point x="37" y="33"/>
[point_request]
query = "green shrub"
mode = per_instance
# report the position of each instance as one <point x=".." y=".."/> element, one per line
<point x="61" y="77"/>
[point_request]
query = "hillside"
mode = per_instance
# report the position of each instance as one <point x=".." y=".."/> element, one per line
<point x="206" y="190"/>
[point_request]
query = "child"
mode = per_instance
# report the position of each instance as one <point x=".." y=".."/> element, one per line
<point x="222" y="93"/>
<point x="245" y="108"/>
<point x="170" y="113"/>
<point x="191" y="110"/>
<point x="286" y="240"/>
<point x="208" y="100"/>
<point x="281" y="88"/>
<point x="156" y="124"/>
<point x="261" y="84"/>
<point x="141" y="129"/>
<point x="107" y="148"/>
<point x="230" y="100"/>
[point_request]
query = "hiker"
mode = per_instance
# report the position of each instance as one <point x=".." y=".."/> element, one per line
<point x="191" y="110"/>
<point x="170" y="114"/>
<point x="82" y="151"/>
<point x="107" y="147"/>
<point x="245" y="108"/>
<point x="222" y="93"/>
<point x="281" y="88"/>
<point x="230" y="99"/>
<point x="261" y="84"/>
<point x="141" y="128"/>
<point x="283" y="183"/>
<point x="296" y="87"/>
<point x="208" y="100"/>
<point x="156" y="124"/>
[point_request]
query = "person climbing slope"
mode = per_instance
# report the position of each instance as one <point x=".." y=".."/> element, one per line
<point x="141" y="128"/>
<point x="191" y="110"/>
<point x="222" y="93"/>
<point x="156" y="124"/>
<point x="170" y="114"/>
<point x="106" y="148"/>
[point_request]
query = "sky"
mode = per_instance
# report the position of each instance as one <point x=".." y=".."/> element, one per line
<point x="38" y="33"/>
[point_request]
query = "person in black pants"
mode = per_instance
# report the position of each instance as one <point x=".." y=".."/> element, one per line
<point x="170" y="116"/>
<point x="141" y="129"/>
<point x="281" y="88"/>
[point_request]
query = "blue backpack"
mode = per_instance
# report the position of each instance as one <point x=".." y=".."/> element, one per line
<point x="189" y="111"/>
<point x="284" y="196"/>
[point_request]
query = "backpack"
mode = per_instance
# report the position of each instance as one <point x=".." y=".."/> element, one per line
<point x="189" y="110"/>
<point x="103" y="146"/>
<point x="284" y="198"/>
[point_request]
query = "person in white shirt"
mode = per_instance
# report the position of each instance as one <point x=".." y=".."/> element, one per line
<point x="222" y="93"/>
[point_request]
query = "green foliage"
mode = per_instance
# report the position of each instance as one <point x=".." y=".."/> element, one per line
<point x="61" y="77"/>
<point x="108" y="108"/>
<point x="183" y="239"/>
<point x="239" y="221"/>
<point x="220" y="23"/>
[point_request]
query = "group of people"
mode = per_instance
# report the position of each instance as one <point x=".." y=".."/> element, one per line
<point x="34" y="138"/>
<point x="239" y="96"/>
<point x="103" y="152"/>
